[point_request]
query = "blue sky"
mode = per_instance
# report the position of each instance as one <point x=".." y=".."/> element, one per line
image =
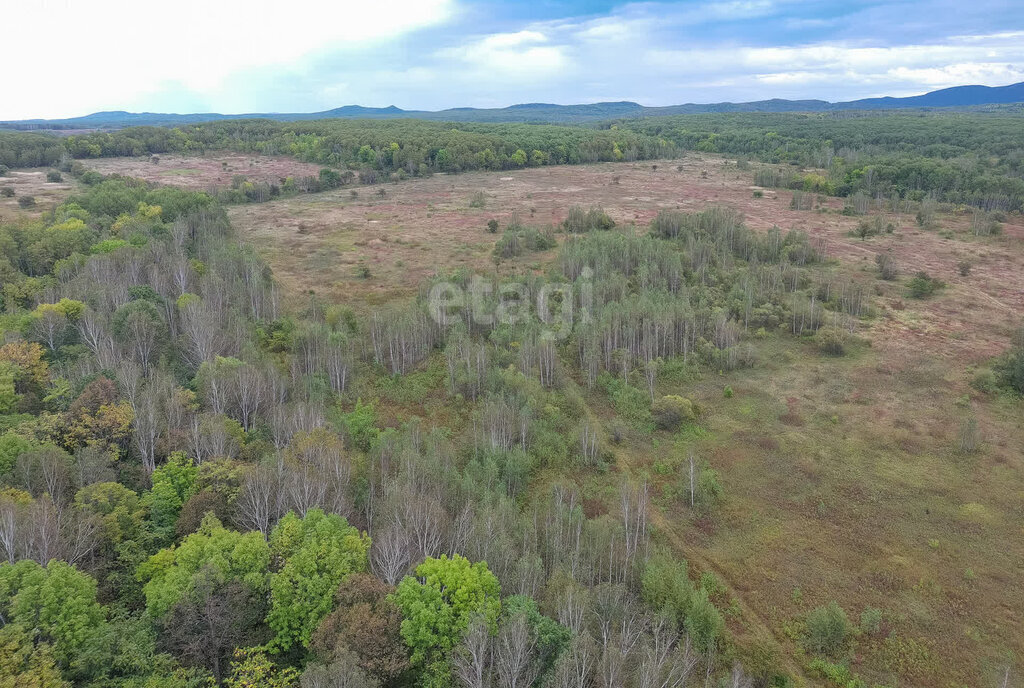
<point x="257" y="56"/>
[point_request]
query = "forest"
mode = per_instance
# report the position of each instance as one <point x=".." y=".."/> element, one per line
<point x="206" y="485"/>
<point x="957" y="157"/>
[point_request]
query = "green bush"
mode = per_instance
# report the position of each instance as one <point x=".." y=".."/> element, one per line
<point x="922" y="285"/>
<point x="832" y="341"/>
<point x="54" y="176"/>
<point x="477" y="200"/>
<point x="1009" y="371"/>
<point x="671" y="411"/>
<point x="6" y="191"/>
<point x="26" y="201"/>
<point x="492" y="226"/>
<point x="828" y="629"/>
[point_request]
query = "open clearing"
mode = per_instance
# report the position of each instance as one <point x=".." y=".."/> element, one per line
<point x="32" y="182"/>
<point x="206" y="172"/>
<point x="842" y="476"/>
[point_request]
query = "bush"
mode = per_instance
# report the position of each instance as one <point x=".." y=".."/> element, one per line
<point x="871" y="620"/>
<point x="922" y="285"/>
<point x="964" y="268"/>
<point x="759" y="194"/>
<point x="6" y="191"/>
<point x="886" y="266"/>
<point x="26" y="201"/>
<point x="579" y="220"/>
<point x="54" y="176"/>
<point x="4" y="170"/>
<point x="671" y="411"/>
<point x="477" y="200"/>
<point x="832" y="341"/>
<point x="827" y="629"/>
<point x="1009" y="371"/>
<point x="492" y="226"/>
<point x="872" y="227"/>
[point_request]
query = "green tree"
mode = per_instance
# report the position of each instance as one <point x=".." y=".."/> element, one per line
<point x="437" y="606"/>
<point x="361" y="424"/>
<point x="123" y="538"/>
<point x="666" y="585"/>
<point x="704" y="622"/>
<point x="11" y="445"/>
<point x="25" y="664"/>
<point x="56" y="604"/>
<point x="551" y="637"/>
<point x="212" y="551"/>
<point x="173" y="483"/>
<point x="252" y="668"/>
<point x="318" y="552"/>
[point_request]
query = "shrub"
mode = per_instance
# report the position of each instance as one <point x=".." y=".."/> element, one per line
<point x="801" y="201"/>
<point x="727" y="392"/>
<point x="964" y="268"/>
<point x="579" y="220"/>
<point x="827" y="629"/>
<point x="1009" y="371"/>
<point x="922" y="285"/>
<point x="54" y="176"/>
<point x="26" y="201"/>
<point x="6" y="191"/>
<point x="886" y="266"/>
<point x="492" y="226"/>
<point x="4" y="170"/>
<point x="759" y="194"/>
<point x="871" y="620"/>
<point x="832" y="341"/>
<point x="871" y="227"/>
<point x="671" y="411"/>
<point x="477" y="200"/>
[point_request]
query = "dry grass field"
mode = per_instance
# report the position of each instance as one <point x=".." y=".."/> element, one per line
<point x="205" y="172"/>
<point x="32" y="182"/>
<point x="843" y="476"/>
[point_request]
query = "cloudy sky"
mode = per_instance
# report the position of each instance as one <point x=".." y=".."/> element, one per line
<point x="234" y="56"/>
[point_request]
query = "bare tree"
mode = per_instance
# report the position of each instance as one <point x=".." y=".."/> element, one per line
<point x="515" y="654"/>
<point x="472" y="659"/>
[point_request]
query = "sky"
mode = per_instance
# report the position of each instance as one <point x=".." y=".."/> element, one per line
<point x="234" y="56"/>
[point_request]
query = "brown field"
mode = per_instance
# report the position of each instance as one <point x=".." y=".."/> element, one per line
<point x="842" y="475"/>
<point x="32" y="182"/>
<point x="205" y="172"/>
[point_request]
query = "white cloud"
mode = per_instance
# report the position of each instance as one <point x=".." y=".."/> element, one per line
<point x="432" y="54"/>
<point x="522" y="54"/>
<point x="92" y="55"/>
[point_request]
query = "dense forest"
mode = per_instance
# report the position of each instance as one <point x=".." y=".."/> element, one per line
<point x="965" y="158"/>
<point x="975" y="159"/>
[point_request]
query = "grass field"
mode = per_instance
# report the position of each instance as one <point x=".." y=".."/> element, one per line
<point x="205" y="172"/>
<point x="843" y="476"/>
<point x="32" y="182"/>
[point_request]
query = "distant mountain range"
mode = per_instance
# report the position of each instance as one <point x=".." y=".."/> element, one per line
<point x="958" y="96"/>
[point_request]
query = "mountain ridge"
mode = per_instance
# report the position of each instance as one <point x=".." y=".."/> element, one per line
<point x="955" y="96"/>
